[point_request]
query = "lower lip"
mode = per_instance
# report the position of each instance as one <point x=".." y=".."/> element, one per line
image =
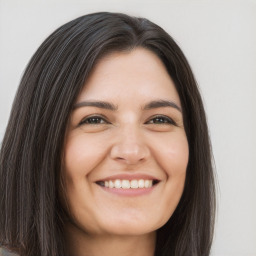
<point x="129" y="192"/>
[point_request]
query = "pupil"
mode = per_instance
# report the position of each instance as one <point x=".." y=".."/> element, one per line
<point x="159" y="120"/>
<point x="93" y="120"/>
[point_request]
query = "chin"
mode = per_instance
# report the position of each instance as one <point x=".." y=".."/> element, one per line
<point x="133" y="228"/>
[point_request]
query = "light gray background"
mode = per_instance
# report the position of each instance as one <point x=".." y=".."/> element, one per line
<point x="219" y="40"/>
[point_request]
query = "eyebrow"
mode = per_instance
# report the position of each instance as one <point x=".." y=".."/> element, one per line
<point x="97" y="104"/>
<point x="110" y="106"/>
<point x="160" y="104"/>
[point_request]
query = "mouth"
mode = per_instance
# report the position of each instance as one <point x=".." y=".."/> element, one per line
<point x="128" y="184"/>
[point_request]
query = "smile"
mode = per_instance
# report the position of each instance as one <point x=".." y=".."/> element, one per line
<point x="127" y="184"/>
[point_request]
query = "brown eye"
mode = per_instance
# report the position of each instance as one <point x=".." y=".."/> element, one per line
<point x="161" y="120"/>
<point x="94" y="120"/>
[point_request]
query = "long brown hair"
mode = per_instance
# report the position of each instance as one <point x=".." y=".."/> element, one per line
<point x="30" y="159"/>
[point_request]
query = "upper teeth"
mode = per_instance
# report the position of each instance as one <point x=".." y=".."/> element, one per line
<point x="126" y="184"/>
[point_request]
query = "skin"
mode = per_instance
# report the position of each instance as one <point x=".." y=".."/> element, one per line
<point x="129" y="140"/>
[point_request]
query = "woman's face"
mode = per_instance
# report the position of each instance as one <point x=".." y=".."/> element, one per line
<point x="126" y="150"/>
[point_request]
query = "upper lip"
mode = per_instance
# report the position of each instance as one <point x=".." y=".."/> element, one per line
<point x="129" y="177"/>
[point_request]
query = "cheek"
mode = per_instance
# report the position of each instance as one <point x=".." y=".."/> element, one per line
<point x="175" y="166"/>
<point x="173" y="155"/>
<point x="178" y="156"/>
<point x="82" y="154"/>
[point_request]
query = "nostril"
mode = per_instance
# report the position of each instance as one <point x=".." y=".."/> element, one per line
<point x="129" y="152"/>
<point x="130" y="159"/>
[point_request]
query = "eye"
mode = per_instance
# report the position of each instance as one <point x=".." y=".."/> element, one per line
<point x="93" y="120"/>
<point x="160" y="119"/>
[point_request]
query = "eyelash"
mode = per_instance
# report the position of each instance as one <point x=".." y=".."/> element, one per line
<point x="165" y="120"/>
<point x="96" y="117"/>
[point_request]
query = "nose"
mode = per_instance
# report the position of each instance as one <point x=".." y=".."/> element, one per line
<point x="130" y="147"/>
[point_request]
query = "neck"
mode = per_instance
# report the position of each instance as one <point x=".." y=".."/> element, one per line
<point x="81" y="244"/>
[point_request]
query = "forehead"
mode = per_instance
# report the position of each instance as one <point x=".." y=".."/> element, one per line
<point x="137" y="73"/>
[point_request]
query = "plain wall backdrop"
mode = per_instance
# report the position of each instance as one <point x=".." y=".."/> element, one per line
<point x="219" y="40"/>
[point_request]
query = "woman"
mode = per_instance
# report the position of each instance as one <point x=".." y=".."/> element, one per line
<point x="107" y="150"/>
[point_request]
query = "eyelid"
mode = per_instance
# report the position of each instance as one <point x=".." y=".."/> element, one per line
<point x="100" y="116"/>
<point x="169" y="119"/>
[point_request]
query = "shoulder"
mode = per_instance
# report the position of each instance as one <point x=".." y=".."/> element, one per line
<point x="4" y="252"/>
